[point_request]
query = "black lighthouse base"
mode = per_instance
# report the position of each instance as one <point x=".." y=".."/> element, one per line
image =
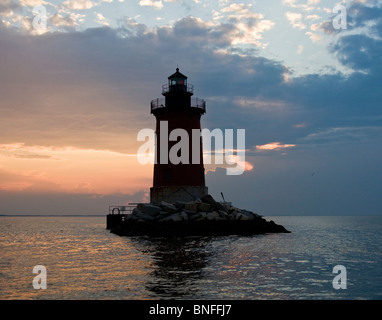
<point x="203" y="217"/>
<point x="199" y="228"/>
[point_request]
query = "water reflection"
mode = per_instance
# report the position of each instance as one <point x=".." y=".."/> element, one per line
<point x="178" y="265"/>
<point x="84" y="261"/>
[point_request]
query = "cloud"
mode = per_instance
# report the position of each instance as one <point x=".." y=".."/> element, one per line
<point x="150" y="3"/>
<point x="101" y="19"/>
<point x="358" y="48"/>
<point x="248" y="25"/>
<point x="274" y="146"/>
<point x="300" y="125"/>
<point x="68" y="101"/>
<point x="259" y="83"/>
<point x="315" y="37"/>
<point x="237" y="31"/>
<point x="312" y="17"/>
<point x="344" y="134"/>
<point x="68" y="21"/>
<point x="309" y="6"/>
<point x="261" y="104"/>
<point x="90" y="91"/>
<point x="295" y="19"/>
<point x="31" y="3"/>
<point x="32" y="156"/>
<point x="359" y="52"/>
<point x="289" y="2"/>
<point x="79" y="4"/>
<point x="7" y="8"/>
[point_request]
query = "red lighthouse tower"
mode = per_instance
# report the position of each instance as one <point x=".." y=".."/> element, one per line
<point x="183" y="181"/>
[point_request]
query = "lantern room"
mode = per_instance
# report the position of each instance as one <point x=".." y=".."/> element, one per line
<point x="178" y="94"/>
<point x="177" y="81"/>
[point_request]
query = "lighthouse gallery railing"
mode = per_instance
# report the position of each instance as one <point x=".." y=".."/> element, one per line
<point x="181" y="88"/>
<point x="195" y="103"/>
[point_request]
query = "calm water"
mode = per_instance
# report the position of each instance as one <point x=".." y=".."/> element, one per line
<point x="85" y="261"/>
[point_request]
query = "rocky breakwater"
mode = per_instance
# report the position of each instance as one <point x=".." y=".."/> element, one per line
<point x="201" y="217"/>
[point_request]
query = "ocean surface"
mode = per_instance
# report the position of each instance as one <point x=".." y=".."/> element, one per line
<point x="83" y="260"/>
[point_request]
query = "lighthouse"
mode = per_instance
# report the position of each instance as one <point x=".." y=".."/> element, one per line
<point x="181" y="180"/>
<point x="179" y="201"/>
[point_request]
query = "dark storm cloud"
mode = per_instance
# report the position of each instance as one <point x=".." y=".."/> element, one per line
<point x="360" y="15"/>
<point x="62" y="83"/>
<point x="361" y="51"/>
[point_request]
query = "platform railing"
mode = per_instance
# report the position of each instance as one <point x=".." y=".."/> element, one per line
<point x="179" y="87"/>
<point x="122" y="209"/>
<point x="195" y="103"/>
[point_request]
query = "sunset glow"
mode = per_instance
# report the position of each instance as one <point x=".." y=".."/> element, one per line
<point x="72" y="170"/>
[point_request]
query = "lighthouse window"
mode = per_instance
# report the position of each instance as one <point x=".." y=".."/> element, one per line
<point x="178" y="81"/>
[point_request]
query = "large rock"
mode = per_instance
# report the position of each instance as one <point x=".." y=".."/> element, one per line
<point x="179" y="205"/>
<point x="202" y="206"/>
<point x="214" y="215"/>
<point x="250" y="213"/>
<point x="191" y="206"/>
<point x="245" y="217"/>
<point x="135" y="212"/>
<point x="214" y="204"/>
<point x="192" y="215"/>
<point x="184" y="215"/>
<point x="149" y="208"/>
<point x="176" y="217"/>
<point x="208" y="199"/>
<point x="143" y="216"/>
<point x="224" y="215"/>
<point x="201" y="216"/>
<point x="168" y="207"/>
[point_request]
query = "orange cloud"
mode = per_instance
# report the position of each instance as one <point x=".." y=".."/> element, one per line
<point x="233" y="159"/>
<point x="300" y="125"/>
<point x="274" y="146"/>
<point x="248" y="166"/>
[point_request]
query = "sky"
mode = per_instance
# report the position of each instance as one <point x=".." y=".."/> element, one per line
<point x="76" y="86"/>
